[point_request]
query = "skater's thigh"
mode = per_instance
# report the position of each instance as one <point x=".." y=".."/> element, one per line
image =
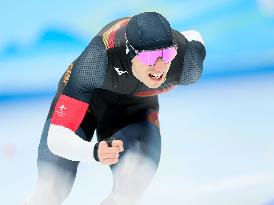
<point x="142" y="138"/>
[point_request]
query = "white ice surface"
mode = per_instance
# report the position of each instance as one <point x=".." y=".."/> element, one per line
<point x="218" y="147"/>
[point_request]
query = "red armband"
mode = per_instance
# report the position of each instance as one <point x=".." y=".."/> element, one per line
<point x="69" y="112"/>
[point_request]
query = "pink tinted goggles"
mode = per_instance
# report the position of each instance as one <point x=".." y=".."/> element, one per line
<point x="150" y="57"/>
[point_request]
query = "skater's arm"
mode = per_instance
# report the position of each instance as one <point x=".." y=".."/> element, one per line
<point x="87" y="73"/>
<point x="76" y="149"/>
<point x="193" y="59"/>
<point x="65" y="143"/>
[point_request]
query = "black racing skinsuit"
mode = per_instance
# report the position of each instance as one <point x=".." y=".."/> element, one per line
<point x="119" y="106"/>
<point x="93" y="78"/>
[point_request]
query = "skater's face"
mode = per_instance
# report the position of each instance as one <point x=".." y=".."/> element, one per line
<point x="151" y="75"/>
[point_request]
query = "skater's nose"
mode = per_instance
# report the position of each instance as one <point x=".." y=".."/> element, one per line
<point x="159" y="65"/>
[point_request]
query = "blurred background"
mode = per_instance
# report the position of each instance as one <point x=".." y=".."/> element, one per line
<point x="217" y="135"/>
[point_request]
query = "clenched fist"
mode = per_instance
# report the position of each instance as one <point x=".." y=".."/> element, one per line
<point x="109" y="154"/>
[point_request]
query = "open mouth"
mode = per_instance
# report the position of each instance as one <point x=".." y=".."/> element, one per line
<point x="156" y="77"/>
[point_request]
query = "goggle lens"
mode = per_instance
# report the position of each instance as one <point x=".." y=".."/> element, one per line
<point x="150" y="57"/>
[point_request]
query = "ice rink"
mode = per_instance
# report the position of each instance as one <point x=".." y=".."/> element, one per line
<point x="217" y="138"/>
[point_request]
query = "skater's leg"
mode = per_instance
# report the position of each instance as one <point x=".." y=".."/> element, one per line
<point x="54" y="184"/>
<point x="56" y="175"/>
<point x="137" y="164"/>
